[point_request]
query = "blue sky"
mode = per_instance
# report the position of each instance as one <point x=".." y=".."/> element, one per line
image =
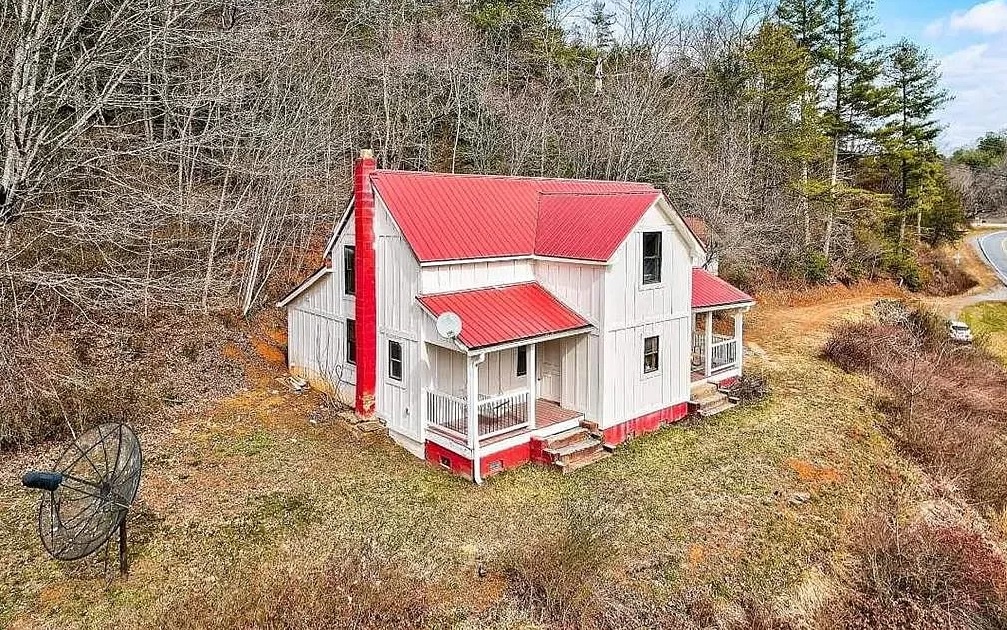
<point x="970" y="41"/>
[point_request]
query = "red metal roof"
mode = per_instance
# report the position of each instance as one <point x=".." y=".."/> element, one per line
<point x="588" y="226"/>
<point x="708" y="290"/>
<point x="502" y="314"/>
<point x="455" y="217"/>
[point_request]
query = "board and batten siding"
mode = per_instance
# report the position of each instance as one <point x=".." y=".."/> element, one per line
<point x="635" y="311"/>
<point x="399" y="403"/>
<point x="580" y="286"/>
<point x="316" y="334"/>
<point x="497" y="374"/>
<point x="581" y="374"/>
<point x="474" y="275"/>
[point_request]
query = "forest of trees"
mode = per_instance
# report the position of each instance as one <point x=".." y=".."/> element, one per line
<point x="193" y="155"/>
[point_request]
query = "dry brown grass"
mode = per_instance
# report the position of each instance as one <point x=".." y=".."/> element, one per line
<point x="946" y="404"/>
<point x="362" y="587"/>
<point x="925" y="576"/>
<point x="942" y="276"/>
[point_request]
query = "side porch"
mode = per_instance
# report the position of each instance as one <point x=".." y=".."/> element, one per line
<point x="717" y="344"/>
<point x="718" y="322"/>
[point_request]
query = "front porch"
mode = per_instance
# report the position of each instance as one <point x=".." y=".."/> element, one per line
<point x="499" y="418"/>
<point x="478" y="403"/>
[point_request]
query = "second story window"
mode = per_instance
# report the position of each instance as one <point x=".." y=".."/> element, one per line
<point x="349" y="270"/>
<point x="651" y="257"/>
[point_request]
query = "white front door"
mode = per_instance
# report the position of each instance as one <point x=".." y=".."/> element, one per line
<point x="549" y="362"/>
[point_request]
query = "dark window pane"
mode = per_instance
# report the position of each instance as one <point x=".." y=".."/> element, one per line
<point x="395" y="360"/>
<point x="651" y="354"/>
<point x="349" y="270"/>
<point x="651" y="257"/>
<point x="351" y="342"/>
<point x="522" y="360"/>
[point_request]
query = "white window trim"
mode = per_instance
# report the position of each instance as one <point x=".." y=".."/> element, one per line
<point x="401" y="384"/>
<point x="662" y="283"/>
<point x="644" y="336"/>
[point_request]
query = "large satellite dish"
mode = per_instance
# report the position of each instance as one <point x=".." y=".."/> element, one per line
<point x="88" y="493"/>
<point x="449" y="325"/>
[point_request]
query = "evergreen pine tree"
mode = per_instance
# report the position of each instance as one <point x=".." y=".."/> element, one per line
<point x="912" y="95"/>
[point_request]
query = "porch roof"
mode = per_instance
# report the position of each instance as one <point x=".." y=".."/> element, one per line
<point x="498" y="315"/>
<point x="710" y="292"/>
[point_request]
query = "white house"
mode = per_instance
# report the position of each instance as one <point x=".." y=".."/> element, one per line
<point x="585" y="316"/>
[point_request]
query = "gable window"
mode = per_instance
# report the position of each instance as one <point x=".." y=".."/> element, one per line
<point x="394" y="360"/>
<point x="651" y="353"/>
<point x="651" y="257"/>
<point x="351" y="342"/>
<point x="522" y="360"/>
<point x="349" y="270"/>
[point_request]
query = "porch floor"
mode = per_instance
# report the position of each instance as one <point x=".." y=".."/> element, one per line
<point x="547" y="413"/>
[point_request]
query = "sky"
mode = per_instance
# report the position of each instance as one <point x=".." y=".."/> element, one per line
<point x="969" y="39"/>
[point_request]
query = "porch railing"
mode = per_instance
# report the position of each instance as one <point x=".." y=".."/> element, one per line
<point x="497" y="414"/>
<point x="449" y="413"/>
<point x="723" y="352"/>
<point x="503" y="413"/>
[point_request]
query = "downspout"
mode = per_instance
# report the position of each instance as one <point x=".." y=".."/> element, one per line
<point x="476" y="464"/>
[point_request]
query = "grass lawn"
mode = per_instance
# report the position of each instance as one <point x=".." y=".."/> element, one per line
<point x="989" y="321"/>
<point x="252" y="492"/>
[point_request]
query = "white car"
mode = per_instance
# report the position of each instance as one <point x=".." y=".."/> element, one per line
<point x="959" y="331"/>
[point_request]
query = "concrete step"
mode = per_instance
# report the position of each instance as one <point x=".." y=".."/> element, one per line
<point x="701" y="389"/>
<point x="709" y="399"/>
<point x="566" y="438"/>
<point x="706" y="412"/>
<point x="589" y="445"/>
<point x="569" y="467"/>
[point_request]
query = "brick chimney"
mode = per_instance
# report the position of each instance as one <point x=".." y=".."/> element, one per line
<point x="366" y="297"/>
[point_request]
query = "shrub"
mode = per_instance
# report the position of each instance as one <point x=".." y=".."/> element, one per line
<point x="946" y="405"/>
<point x="560" y="576"/>
<point x="816" y="267"/>
<point x="924" y="576"/>
<point x="750" y="387"/>
<point x="363" y="587"/>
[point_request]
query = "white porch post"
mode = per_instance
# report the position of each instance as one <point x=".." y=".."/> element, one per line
<point x="532" y="383"/>
<point x="472" y="397"/>
<point x="739" y="318"/>
<point x="708" y="355"/>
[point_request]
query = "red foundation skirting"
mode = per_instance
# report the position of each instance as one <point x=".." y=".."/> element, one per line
<point x="645" y="424"/>
<point x="532" y="450"/>
<point x="449" y="460"/>
<point x="488" y="464"/>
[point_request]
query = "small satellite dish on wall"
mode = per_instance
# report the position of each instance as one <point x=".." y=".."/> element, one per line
<point x="449" y="325"/>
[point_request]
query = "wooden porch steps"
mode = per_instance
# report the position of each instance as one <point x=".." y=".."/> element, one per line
<point x="573" y="449"/>
<point x="708" y="400"/>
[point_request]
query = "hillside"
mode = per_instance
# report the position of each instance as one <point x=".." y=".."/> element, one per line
<point x="269" y="509"/>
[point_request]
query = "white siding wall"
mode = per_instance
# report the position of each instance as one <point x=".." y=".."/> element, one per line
<point x="458" y="277"/>
<point x="399" y="403"/>
<point x="582" y="374"/>
<point x="579" y="286"/>
<point x="634" y="311"/>
<point x="316" y="339"/>
<point x="628" y="392"/>
<point x="497" y="374"/>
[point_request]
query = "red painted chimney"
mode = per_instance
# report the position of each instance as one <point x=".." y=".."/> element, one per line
<point x="366" y="297"/>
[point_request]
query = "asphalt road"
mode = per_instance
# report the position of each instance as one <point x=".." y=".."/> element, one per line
<point x="994" y="247"/>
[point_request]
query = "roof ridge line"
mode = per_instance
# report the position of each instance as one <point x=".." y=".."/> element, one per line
<point x="381" y="171"/>
<point x="560" y="193"/>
